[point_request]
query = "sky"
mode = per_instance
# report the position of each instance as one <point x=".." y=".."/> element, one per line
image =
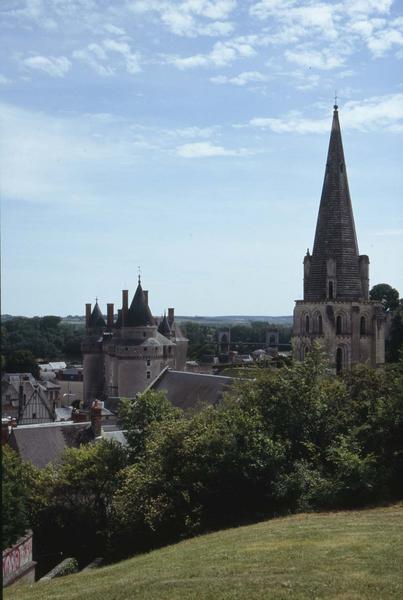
<point x="189" y="137"/>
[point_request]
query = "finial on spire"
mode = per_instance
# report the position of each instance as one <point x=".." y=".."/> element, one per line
<point x="96" y="299"/>
<point x="139" y="275"/>
<point x="336" y="106"/>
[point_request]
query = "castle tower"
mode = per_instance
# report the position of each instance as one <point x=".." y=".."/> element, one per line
<point x="93" y="364"/>
<point x="122" y="357"/>
<point x="336" y="308"/>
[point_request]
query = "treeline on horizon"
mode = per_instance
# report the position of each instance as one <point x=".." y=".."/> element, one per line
<point x="297" y="438"/>
<point x="26" y="340"/>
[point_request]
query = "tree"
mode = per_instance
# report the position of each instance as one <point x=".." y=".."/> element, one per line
<point x="15" y="494"/>
<point x="22" y="361"/>
<point x="396" y="336"/>
<point x="389" y="296"/>
<point x="138" y="415"/>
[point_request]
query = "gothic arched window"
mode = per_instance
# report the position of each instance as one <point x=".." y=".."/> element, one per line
<point x="363" y="328"/>
<point x="306" y="324"/>
<point x="338" y="325"/>
<point x="320" y="324"/>
<point x="330" y="290"/>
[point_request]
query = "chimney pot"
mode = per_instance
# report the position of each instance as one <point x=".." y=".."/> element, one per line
<point x="109" y="315"/>
<point x="96" y="418"/>
<point x="87" y="314"/>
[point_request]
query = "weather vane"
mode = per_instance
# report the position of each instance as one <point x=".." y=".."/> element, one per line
<point x="139" y="270"/>
<point x="335" y="99"/>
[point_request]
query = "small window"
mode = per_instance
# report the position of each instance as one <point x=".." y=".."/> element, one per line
<point x="145" y="348"/>
<point x="339" y="360"/>
<point x="338" y="325"/>
<point x="34" y="415"/>
<point x="144" y="333"/>
<point x="307" y="324"/>
<point x="169" y="349"/>
<point x="341" y="168"/>
<point x="330" y="290"/>
<point x="148" y="362"/>
<point x="363" y="329"/>
<point x="320" y="324"/>
<point x="148" y="374"/>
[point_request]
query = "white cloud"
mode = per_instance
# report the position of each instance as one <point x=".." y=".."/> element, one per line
<point x="323" y="60"/>
<point x="97" y="56"/>
<point x="109" y="28"/>
<point x="383" y="113"/>
<point x="190" y="17"/>
<point x="241" y="79"/>
<point x="221" y="55"/>
<point x="205" y="150"/>
<point x="53" y="66"/>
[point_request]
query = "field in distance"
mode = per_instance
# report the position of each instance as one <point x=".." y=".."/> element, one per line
<point x="351" y="555"/>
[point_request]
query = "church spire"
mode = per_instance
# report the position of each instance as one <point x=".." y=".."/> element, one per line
<point x="333" y="270"/>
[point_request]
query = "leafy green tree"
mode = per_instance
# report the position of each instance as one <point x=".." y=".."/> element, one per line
<point x="71" y="511"/>
<point x="22" y="361"/>
<point x="15" y="497"/>
<point x="389" y="296"/>
<point x="137" y="416"/>
<point x="396" y="336"/>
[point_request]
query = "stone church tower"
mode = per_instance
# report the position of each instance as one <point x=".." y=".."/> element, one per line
<point x="336" y="309"/>
<point x="122" y="357"/>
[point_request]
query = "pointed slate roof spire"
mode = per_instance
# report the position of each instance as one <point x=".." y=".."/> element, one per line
<point x="139" y="314"/>
<point x="96" y="319"/>
<point x="164" y="327"/>
<point x="335" y="236"/>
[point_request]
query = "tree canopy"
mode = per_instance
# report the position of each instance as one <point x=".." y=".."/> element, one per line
<point x="385" y="293"/>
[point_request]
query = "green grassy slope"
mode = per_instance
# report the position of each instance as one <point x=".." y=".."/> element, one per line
<point x="346" y="555"/>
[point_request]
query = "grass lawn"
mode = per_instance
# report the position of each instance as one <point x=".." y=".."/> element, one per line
<point x="344" y="555"/>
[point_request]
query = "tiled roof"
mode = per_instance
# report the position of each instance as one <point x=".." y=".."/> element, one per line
<point x="96" y="318"/>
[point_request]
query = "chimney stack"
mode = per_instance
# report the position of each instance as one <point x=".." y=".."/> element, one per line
<point x="171" y="315"/>
<point x="145" y="292"/>
<point x="109" y="317"/>
<point x="87" y="314"/>
<point x="125" y="305"/>
<point x="96" y="418"/>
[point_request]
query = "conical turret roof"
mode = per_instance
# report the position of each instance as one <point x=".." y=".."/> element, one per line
<point x="164" y="327"/>
<point x="96" y="319"/>
<point x="139" y="314"/>
<point x="335" y="236"/>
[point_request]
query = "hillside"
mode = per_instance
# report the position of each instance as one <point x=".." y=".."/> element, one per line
<point x="345" y="555"/>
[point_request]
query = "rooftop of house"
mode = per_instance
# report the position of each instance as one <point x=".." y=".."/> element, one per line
<point x="191" y="390"/>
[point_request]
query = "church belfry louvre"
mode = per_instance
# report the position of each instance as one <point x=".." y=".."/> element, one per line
<point x="336" y="309"/>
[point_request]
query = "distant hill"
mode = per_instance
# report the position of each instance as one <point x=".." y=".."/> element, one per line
<point x="328" y="556"/>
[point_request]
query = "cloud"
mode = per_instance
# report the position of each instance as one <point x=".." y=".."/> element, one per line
<point x="205" y="150"/>
<point x="109" y="28"/>
<point x="53" y="66"/>
<point x="241" y="79"/>
<point x="323" y="60"/>
<point x="190" y="18"/>
<point x="97" y="56"/>
<point x="384" y="113"/>
<point x="221" y="55"/>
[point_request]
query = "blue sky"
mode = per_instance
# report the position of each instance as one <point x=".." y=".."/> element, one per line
<point x="190" y="137"/>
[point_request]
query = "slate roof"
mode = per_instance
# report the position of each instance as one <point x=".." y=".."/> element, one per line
<point x="139" y="313"/>
<point x="45" y="443"/>
<point x="335" y="235"/>
<point x="96" y="319"/>
<point x="191" y="390"/>
<point x="164" y="327"/>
